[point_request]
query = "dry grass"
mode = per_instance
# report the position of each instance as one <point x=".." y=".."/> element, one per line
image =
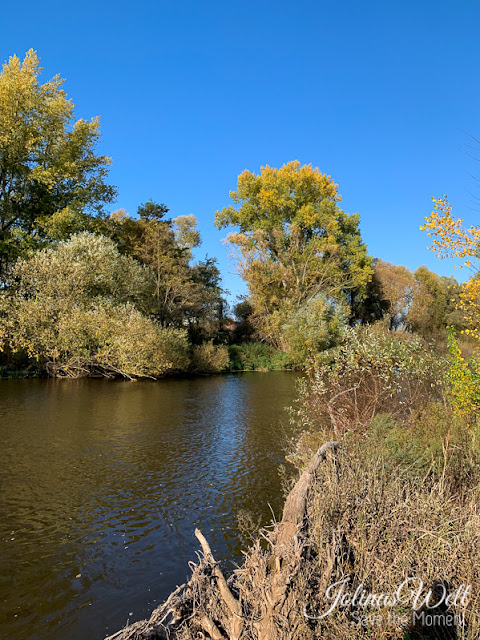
<point x="382" y="527"/>
<point x="361" y="521"/>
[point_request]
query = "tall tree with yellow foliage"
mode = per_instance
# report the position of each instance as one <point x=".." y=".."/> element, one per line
<point x="294" y="243"/>
<point x="451" y="239"/>
<point x="48" y="164"/>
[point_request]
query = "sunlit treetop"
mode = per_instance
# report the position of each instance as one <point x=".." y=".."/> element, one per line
<point x="450" y="238"/>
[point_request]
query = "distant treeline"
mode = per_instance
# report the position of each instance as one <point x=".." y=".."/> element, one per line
<point x="87" y="292"/>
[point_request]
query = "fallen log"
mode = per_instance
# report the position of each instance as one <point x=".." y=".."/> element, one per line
<point x="256" y="602"/>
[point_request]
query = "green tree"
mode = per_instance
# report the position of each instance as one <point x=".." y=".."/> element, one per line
<point x="244" y="329"/>
<point x="434" y="304"/>
<point x="293" y="242"/>
<point x="48" y="163"/>
<point x="206" y="312"/>
<point x="155" y="245"/>
<point x="373" y="306"/>
<point x="185" y="294"/>
<point x="318" y="325"/>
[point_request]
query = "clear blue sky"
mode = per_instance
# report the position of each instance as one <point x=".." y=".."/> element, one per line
<point x="191" y="93"/>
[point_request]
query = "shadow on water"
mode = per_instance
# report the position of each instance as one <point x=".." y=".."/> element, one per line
<point x="103" y="483"/>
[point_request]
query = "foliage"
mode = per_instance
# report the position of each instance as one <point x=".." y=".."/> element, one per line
<point x="371" y="371"/>
<point x="434" y="303"/>
<point x="76" y="308"/>
<point x="293" y="242"/>
<point x="464" y="379"/>
<point x="259" y="356"/>
<point x="452" y="240"/>
<point x="206" y="312"/>
<point x="420" y="442"/>
<point x="244" y="329"/>
<point x="185" y="295"/>
<point x="102" y="338"/>
<point x="373" y="306"/>
<point x="48" y="163"/>
<point x="80" y="269"/>
<point x="422" y="302"/>
<point x="209" y="358"/>
<point x="186" y="233"/>
<point x="396" y="284"/>
<point x="317" y="325"/>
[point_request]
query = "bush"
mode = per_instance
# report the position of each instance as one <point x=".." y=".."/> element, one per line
<point x="79" y="308"/>
<point x="314" y="327"/>
<point x="463" y="376"/>
<point x="209" y="358"/>
<point x="98" y="339"/>
<point x="251" y="356"/>
<point x="373" y="370"/>
<point x="81" y="269"/>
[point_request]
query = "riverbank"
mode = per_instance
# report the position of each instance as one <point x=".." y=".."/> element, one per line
<point x="205" y="359"/>
<point x="236" y="358"/>
<point x="387" y="517"/>
<point x="363" y="550"/>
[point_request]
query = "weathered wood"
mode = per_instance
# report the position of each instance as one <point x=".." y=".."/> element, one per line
<point x="295" y="504"/>
<point x="221" y="615"/>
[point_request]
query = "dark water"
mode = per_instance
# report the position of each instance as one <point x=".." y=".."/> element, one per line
<point x="108" y="480"/>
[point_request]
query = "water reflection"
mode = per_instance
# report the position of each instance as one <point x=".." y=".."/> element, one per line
<point x="107" y="481"/>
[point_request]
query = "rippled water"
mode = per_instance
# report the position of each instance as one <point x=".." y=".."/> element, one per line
<point x="103" y="483"/>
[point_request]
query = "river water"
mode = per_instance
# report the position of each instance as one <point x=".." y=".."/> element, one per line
<point x="102" y="484"/>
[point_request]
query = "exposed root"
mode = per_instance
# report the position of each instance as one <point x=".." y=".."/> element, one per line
<point x="257" y="601"/>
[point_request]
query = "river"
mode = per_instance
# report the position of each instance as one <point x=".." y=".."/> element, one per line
<point x="102" y="484"/>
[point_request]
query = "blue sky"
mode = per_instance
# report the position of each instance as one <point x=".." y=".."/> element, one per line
<point x="376" y="94"/>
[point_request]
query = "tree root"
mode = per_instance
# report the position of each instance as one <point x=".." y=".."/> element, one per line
<point x="257" y="602"/>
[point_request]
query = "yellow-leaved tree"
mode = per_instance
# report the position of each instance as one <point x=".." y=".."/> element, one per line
<point x="52" y="181"/>
<point x="295" y="247"/>
<point x="452" y="239"/>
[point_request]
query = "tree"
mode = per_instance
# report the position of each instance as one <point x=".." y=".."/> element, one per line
<point x="293" y="242"/>
<point x="373" y="306"/>
<point x="80" y="308"/>
<point x="206" y="312"/>
<point x="152" y="211"/>
<point x="433" y="304"/>
<point x="187" y="235"/>
<point x="185" y="295"/>
<point x="452" y="240"/>
<point x="396" y="286"/>
<point x="48" y="163"/>
<point x="316" y="326"/>
<point x="243" y="312"/>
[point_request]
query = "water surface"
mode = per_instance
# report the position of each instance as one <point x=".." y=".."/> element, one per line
<point x="103" y="483"/>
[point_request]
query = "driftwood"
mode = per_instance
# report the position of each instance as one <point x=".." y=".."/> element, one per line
<point x="256" y="602"/>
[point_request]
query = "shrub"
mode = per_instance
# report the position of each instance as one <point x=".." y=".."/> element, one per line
<point x="318" y="325"/>
<point x="463" y="376"/>
<point x="81" y="269"/>
<point x="259" y="356"/>
<point x="373" y="370"/>
<point x="101" y="338"/>
<point x="209" y="358"/>
<point x="78" y="309"/>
